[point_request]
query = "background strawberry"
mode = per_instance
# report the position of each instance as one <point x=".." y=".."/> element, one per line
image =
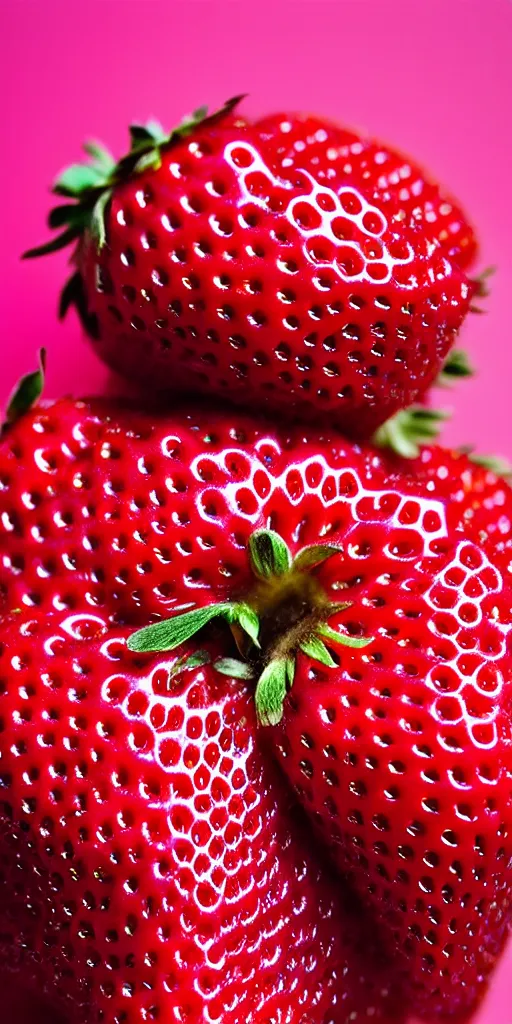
<point x="338" y="155"/>
<point x="206" y="264"/>
<point x="142" y="517"/>
<point x="164" y="872"/>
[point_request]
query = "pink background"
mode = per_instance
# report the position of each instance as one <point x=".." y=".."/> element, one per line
<point x="432" y="76"/>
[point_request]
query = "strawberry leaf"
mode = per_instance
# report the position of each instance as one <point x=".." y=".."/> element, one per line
<point x="54" y="244"/>
<point x="314" y="555"/>
<point x="234" y="668"/>
<point x="70" y="213"/>
<point x="150" y="133"/>
<point x="73" y="294"/>
<point x="269" y="554"/>
<point x="497" y="465"/>
<point x="77" y="179"/>
<point x="192" y="661"/>
<point x="273" y="685"/>
<point x="408" y="430"/>
<point x="316" y="649"/>
<point x="242" y="615"/>
<point x="90" y="183"/>
<point x="171" y="633"/>
<point x="456" y="366"/>
<point x="26" y="393"/>
<point x="342" y="638"/>
<point x="99" y="156"/>
<point x="482" y="287"/>
<point x="97" y="224"/>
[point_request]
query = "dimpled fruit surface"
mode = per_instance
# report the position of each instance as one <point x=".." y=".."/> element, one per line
<point x="206" y="261"/>
<point x="143" y="517"/>
<point x="151" y="863"/>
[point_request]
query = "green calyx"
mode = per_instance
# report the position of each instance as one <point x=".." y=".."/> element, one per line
<point x="494" y="463"/>
<point x="26" y="394"/>
<point x="481" y="283"/>
<point x="286" y="613"/>
<point x="88" y="187"/>
<point x="407" y="431"/>
<point x="456" y="367"/>
<point x="171" y="633"/>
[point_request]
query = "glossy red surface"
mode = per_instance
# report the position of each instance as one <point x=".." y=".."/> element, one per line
<point x="153" y="867"/>
<point x="332" y="152"/>
<point x="231" y="271"/>
<point x="142" y="517"/>
<point x="403" y="754"/>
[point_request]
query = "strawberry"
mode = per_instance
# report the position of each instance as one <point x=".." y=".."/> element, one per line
<point x="337" y="154"/>
<point x="204" y="264"/>
<point x="164" y="873"/>
<point x="483" y="498"/>
<point x="20" y="1005"/>
<point x="376" y="595"/>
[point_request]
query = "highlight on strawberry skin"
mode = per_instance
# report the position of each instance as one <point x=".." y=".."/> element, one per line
<point x="282" y="264"/>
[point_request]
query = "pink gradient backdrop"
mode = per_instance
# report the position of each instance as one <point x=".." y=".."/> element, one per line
<point x="433" y="76"/>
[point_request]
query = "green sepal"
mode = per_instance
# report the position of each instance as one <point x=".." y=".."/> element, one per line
<point x="171" y="633"/>
<point x="97" y="224"/>
<point x="456" y="367"/>
<point x="77" y="179"/>
<point x="152" y="132"/>
<point x="152" y="160"/>
<point x="408" y="430"/>
<point x="61" y="242"/>
<point x="26" y="393"/>
<point x="496" y="464"/>
<point x="195" y="660"/>
<point x="316" y="649"/>
<point x="342" y="638"/>
<point x="481" y="281"/>
<point x="273" y="685"/>
<point x="270" y="555"/>
<point x="99" y="155"/>
<point x="243" y="615"/>
<point x="73" y="294"/>
<point x="314" y="555"/>
<point x="88" y="183"/>
<point x="234" y="668"/>
<point x="68" y="213"/>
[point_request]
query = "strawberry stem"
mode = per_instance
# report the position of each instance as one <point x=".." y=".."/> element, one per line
<point x="26" y="394"/>
<point x="291" y="611"/>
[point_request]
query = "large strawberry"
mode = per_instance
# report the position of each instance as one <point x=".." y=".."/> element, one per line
<point x="338" y="154"/>
<point x="152" y="866"/>
<point x="204" y="263"/>
<point x="392" y="619"/>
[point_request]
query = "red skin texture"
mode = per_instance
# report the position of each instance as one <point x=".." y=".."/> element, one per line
<point x="334" y="151"/>
<point x="225" y="273"/>
<point x="166" y="872"/>
<point x="141" y="517"/>
<point x="482" y="499"/>
<point x="20" y="1005"/>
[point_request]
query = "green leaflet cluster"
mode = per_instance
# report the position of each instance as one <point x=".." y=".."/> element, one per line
<point x="270" y="559"/>
<point x="88" y="186"/>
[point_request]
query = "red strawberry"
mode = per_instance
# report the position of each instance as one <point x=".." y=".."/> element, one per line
<point x="164" y="873"/>
<point x="482" y="497"/>
<point x="142" y="517"/>
<point x="205" y="265"/>
<point x="337" y="154"/>
<point x="21" y="1005"/>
